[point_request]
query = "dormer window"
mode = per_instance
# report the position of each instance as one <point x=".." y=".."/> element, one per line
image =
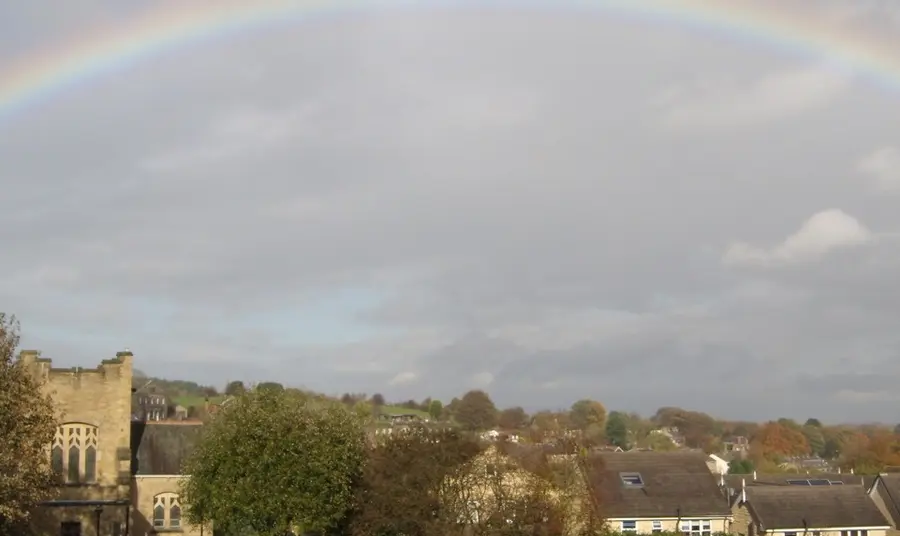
<point x="632" y="480"/>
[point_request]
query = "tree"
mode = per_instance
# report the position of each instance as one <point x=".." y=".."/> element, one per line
<point x="269" y="462"/>
<point x="476" y="411"/>
<point x="27" y="426"/>
<point x="378" y="400"/>
<point x="815" y="438"/>
<point x="774" y="441"/>
<point x="270" y="386"/>
<point x="617" y="429"/>
<point x="435" y="409"/>
<point x="740" y="467"/>
<point x="813" y="422"/>
<point x="235" y="388"/>
<point x="587" y="413"/>
<point x="400" y="487"/>
<point x="512" y="418"/>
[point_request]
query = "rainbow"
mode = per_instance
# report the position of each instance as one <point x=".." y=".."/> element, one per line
<point x="50" y="72"/>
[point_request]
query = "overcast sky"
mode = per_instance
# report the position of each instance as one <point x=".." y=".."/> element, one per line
<point x="544" y="204"/>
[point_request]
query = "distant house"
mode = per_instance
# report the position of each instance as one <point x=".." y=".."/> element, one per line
<point x="807" y="510"/>
<point x="736" y="444"/>
<point x="149" y="407"/>
<point x="180" y="413"/>
<point x="646" y="492"/>
<point x="402" y="418"/>
<point x="673" y="433"/>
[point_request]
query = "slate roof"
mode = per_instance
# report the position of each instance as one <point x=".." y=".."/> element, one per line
<point x="674" y="484"/>
<point x="888" y="487"/>
<point x="160" y="448"/>
<point x="813" y="507"/>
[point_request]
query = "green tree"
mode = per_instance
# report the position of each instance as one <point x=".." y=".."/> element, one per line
<point x="270" y="386"/>
<point x="586" y="413"/>
<point x="235" y="388"/>
<point x="27" y="425"/>
<point x="813" y="422"/>
<point x="435" y="409"/>
<point x="815" y="438"/>
<point x="476" y="411"/>
<point x="269" y="462"/>
<point x="617" y="429"/>
<point x="378" y="400"/>
<point x="740" y="467"/>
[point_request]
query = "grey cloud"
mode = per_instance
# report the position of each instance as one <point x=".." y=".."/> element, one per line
<point x="491" y="189"/>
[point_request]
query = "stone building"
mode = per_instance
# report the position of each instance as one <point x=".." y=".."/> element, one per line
<point x="118" y="473"/>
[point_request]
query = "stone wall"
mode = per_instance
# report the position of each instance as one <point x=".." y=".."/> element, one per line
<point x="90" y="397"/>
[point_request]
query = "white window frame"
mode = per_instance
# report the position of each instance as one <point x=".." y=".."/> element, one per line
<point x="696" y="527"/>
<point x="657" y="526"/>
<point x="629" y="525"/>
<point x="167" y="500"/>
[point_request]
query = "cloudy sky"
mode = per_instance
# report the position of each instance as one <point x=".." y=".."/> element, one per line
<point x="548" y="204"/>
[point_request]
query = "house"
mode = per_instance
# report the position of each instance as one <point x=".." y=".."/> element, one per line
<point x="671" y="432"/>
<point x="717" y="465"/>
<point x="117" y="461"/>
<point x="815" y="510"/>
<point x="645" y="492"/>
<point x="180" y="413"/>
<point x="736" y="445"/>
<point x="885" y="492"/>
<point x="732" y="483"/>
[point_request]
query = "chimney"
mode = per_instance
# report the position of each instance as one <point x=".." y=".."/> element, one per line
<point x="754" y="475"/>
<point x="743" y="490"/>
<point x="839" y="470"/>
<point x="851" y="471"/>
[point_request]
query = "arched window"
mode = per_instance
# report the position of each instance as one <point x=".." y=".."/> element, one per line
<point x="73" y="454"/>
<point x="166" y="511"/>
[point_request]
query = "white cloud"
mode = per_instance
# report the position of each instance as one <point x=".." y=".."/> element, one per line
<point x="882" y="167"/>
<point x="713" y="104"/>
<point x="822" y="233"/>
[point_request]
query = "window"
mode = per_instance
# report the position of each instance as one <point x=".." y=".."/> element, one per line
<point x="819" y="482"/>
<point x="817" y="533"/>
<point x="632" y="479"/>
<point x="629" y="526"/>
<point x="798" y="482"/>
<point x="790" y="534"/>
<point x="696" y="527"/>
<point x="657" y="526"/>
<point x="73" y="454"/>
<point x="166" y="511"/>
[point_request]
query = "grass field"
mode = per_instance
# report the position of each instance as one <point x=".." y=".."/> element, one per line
<point x="196" y="401"/>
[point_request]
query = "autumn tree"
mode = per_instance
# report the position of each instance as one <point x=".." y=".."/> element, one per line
<point x="476" y="411"/>
<point x="269" y="462"/>
<point x="512" y="418"/>
<point x="377" y="400"/>
<point x="695" y="426"/>
<point x="617" y="429"/>
<point x="435" y="409"/>
<point x="774" y="441"/>
<point x="400" y="488"/>
<point x="548" y="424"/>
<point x="589" y="416"/>
<point x="27" y="425"/>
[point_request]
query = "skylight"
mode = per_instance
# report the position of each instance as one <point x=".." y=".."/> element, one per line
<point x="632" y="479"/>
<point x="814" y="482"/>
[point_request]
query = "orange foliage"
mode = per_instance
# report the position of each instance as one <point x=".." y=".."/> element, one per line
<point x="773" y="441"/>
<point x="870" y="453"/>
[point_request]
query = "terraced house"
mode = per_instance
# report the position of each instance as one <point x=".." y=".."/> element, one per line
<point x="118" y="472"/>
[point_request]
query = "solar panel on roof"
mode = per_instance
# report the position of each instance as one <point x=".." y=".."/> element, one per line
<point x="819" y="482"/>
<point x="795" y="482"/>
